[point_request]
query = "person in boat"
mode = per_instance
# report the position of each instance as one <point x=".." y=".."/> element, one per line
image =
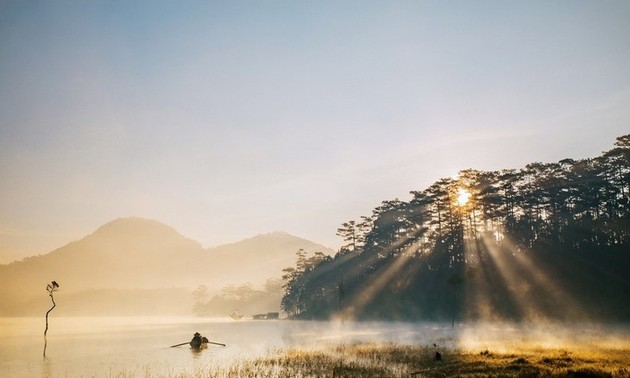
<point x="196" y="341"/>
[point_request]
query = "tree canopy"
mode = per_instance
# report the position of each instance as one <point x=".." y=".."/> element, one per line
<point x="548" y="240"/>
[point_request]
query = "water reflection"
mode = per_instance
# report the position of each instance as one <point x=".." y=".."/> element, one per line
<point x="196" y="352"/>
<point x="48" y="367"/>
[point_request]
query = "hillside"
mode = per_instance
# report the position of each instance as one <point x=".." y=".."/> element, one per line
<point x="141" y="254"/>
<point x="254" y="259"/>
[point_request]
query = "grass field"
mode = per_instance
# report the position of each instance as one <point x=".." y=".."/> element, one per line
<point x="371" y="360"/>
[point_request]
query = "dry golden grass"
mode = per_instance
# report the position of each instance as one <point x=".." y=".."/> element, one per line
<point x="370" y="360"/>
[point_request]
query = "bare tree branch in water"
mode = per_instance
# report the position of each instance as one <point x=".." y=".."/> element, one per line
<point x="50" y="288"/>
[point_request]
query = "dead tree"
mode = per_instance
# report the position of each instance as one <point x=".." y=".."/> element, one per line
<point x="50" y="288"/>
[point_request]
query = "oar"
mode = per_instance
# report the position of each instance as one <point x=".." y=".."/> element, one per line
<point x="208" y="342"/>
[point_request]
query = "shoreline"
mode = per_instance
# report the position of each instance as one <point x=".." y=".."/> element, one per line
<point x="391" y="360"/>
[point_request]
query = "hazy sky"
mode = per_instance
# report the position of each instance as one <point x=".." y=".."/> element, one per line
<point x="230" y="119"/>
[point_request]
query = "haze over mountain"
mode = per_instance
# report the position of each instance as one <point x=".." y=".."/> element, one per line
<point x="146" y="256"/>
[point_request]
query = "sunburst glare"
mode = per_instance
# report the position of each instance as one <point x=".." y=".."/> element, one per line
<point x="463" y="196"/>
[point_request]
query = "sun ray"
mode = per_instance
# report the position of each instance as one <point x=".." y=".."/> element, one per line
<point x="513" y="274"/>
<point x="365" y="295"/>
<point x="538" y="274"/>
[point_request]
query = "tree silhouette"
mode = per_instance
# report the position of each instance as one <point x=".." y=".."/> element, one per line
<point x="567" y="222"/>
<point x="349" y="233"/>
<point x="50" y="288"/>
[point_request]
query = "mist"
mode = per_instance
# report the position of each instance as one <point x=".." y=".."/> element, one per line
<point x="139" y="346"/>
<point x="469" y="163"/>
<point x="137" y="266"/>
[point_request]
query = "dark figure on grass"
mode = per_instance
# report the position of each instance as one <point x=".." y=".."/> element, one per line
<point x="198" y="341"/>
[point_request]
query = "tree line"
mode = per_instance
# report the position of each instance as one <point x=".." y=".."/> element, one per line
<point x="243" y="299"/>
<point x="549" y="240"/>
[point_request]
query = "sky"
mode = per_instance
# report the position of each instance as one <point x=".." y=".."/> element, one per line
<point x="228" y="119"/>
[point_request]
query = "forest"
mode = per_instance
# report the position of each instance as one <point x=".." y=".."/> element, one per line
<point x="547" y="241"/>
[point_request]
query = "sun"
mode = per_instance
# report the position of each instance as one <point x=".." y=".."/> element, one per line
<point x="463" y="196"/>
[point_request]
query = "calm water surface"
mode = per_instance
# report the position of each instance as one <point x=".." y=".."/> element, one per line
<point x="109" y="347"/>
<point x="128" y="346"/>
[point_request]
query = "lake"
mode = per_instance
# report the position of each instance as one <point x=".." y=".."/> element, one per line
<point x="135" y="346"/>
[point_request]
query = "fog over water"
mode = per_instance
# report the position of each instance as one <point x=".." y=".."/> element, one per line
<point x="104" y="347"/>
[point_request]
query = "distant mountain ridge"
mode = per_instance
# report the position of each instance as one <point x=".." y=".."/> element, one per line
<point x="138" y="253"/>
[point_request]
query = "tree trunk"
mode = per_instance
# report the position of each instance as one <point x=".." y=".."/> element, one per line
<point x="46" y="330"/>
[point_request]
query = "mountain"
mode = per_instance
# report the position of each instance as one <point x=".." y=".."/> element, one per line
<point x="256" y="257"/>
<point x="142" y="254"/>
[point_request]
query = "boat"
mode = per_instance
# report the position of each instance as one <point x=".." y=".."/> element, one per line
<point x="198" y="342"/>
<point x="203" y="345"/>
<point x="267" y="316"/>
<point x="235" y="315"/>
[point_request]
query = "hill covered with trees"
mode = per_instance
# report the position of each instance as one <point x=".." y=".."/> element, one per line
<point x="548" y="241"/>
